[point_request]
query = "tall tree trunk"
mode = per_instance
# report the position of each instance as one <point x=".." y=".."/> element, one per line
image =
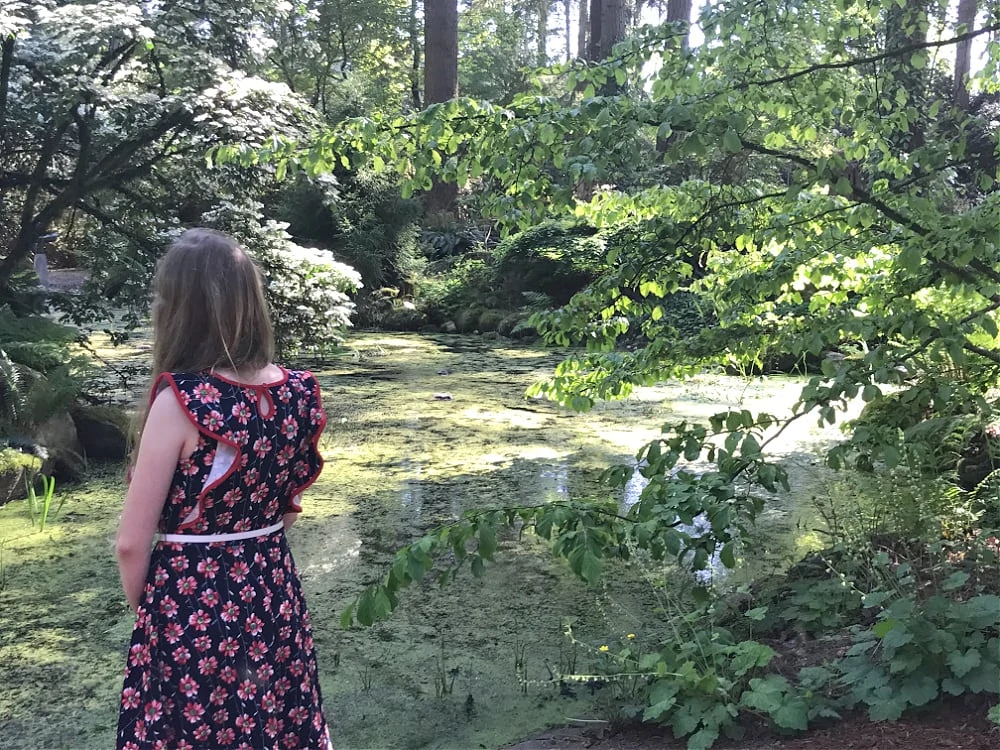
<point x="677" y="11"/>
<point x="440" y="79"/>
<point x="963" y="52"/>
<point x="542" y="30"/>
<point x="567" y="5"/>
<point x="415" y="48"/>
<point x="6" y="58"/>
<point x="608" y="21"/>
<point x="582" y="38"/>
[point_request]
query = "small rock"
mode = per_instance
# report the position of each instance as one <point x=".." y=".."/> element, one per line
<point x="442" y="397"/>
<point x="449" y="326"/>
<point x="444" y="371"/>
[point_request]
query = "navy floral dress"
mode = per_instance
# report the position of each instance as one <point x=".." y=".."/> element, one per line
<point x="222" y="651"/>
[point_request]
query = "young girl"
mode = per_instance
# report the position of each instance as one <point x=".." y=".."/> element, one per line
<point x="222" y="652"/>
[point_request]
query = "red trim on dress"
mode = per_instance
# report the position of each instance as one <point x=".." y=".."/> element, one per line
<point x="205" y="431"/>
<point x="294" y="507"/>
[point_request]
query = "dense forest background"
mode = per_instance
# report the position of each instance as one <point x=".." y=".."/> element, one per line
<point x="751" y="186"/>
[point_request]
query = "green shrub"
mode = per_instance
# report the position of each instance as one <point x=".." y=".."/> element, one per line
<point x="468" y="282"/>
<point x="554" y="258"/>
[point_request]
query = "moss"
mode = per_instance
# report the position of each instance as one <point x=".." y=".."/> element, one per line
<point x="490" y="320"/>
<point x="12" y="460"/>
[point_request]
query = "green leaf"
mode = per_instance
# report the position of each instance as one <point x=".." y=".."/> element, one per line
<point x="347" y="616"/>
<point x="703" y="739"/>
<point x="487" y="540"/>
<point x="590" y="567"/>
<point x="728" y="557"/>
<point x="919" y="691"/>
<point x="793" y="713"/>
<point x="963" y="663"/>
<point x="955" y="581"/>
<point x="887" y="709"/>
<point x="731" y="141"/>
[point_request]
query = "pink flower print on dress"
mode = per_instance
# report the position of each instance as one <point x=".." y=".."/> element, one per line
<point x="226" y="736"/>
<point x="219" y="695"/>
<point x="173" y="631"/>
<point x="241" y="411"/>
<point x="273" y="727"/>
<point x="130" y="698"/>
<point x="202" y="643"/>
<point x="228" y="675"/>
<point x="187" y="467"/>
<point x="209" y="597"/>
<point x="208" y="568"/>
<point x="229" y="647"/>
<point x="203" y="732"/>
<point x="193" y="712"/>
<point x="208" y="665"/>
<point x="284" y="394"/>
<point x="153" y="710"/>
<point x="257" y="650"/>
<point x="168" y="607"/>
<point x="289" y="427"/>
<point x="232" y="496"/>
<point x="286" y="454"/>
<point x="181" y="655"/>
<point x="187" y="686"/>
<point x="253" y="625"/>
<point x="247" y="690"/>
<point x="213" y="420"/>
<point x="245" y="723"/>
<point x="261" y="446"/>
<point x="179" y="563"/>
<point x="238" y="571"/>
<point x="220" y="717"/>
<point x="207" y="393"/>
<point x="230" y="612"/>
<point x="187" y="585"/>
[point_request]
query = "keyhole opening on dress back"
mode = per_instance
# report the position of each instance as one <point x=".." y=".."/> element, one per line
<point x="266" y="404"/>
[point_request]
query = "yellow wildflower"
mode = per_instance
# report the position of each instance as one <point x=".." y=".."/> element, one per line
<point x="603" y="649"/>
<point x="630" y="636"/>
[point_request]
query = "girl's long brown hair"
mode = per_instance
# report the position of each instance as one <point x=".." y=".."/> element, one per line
<point x="209" y="310"/>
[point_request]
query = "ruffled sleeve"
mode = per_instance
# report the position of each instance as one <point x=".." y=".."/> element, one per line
<point x="308" y="462"/>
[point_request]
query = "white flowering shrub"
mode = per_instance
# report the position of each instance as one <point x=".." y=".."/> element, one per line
<point x="309" y="292"/>
<point x="308" y="289"/>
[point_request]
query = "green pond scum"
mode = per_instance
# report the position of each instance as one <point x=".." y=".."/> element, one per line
<point x="420" y="429"/>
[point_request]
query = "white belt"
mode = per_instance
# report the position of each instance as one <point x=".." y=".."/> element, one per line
<point x="210" y="538"/>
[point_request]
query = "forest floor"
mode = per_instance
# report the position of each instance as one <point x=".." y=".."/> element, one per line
<point x="956" y="725"/>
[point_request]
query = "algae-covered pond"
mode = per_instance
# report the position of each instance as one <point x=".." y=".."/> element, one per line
<point x="464" y="667"/>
